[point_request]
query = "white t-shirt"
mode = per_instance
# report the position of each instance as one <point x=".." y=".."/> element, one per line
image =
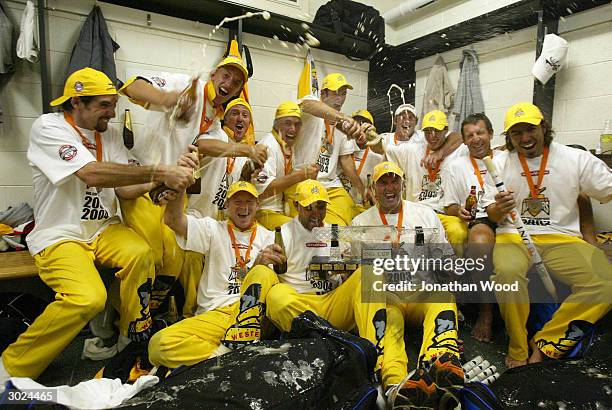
<point x="160" y="145"/>
<point x="415" y="214"/>
<point x="569" y="172"/>
<point x="211" y="201"/>
<point x="300" y="247"/>
<point x="313" y="145"/>
<point x="459" y="179"/>
<point x="219" y="285"/>
<point x="65" y="208"/>
<point x="418" y="186"/>
<point x="371" y="160"/>
<point x="418" y="137"/>
<point x="272" y="169"/>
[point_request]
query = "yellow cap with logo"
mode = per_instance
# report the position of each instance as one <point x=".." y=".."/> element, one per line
<point x="335" y="81"/>
<point x="435" y="119"/>
<point x="522" y="112"/>
<point x="85" y="82"/>
<point x="236" y="62"/>
<point x="242" y="186"/>
<point x="365" y="114"/>
<point x="310" y="191"/>
<point x="387" y="167"/>
<point x="288" y="109"/>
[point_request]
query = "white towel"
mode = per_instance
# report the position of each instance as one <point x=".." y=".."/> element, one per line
<point x="27" y="47"/>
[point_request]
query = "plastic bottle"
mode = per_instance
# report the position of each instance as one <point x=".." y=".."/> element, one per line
<point x="605" y="140"/>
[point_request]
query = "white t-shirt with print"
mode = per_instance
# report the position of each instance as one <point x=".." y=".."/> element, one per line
<point x="300" y="247"/>
<point x="211" y="200"/>
<point x="459" y="179"/>
<point x="219" y="285"/>
<point x="568" y="173"/>
<point x="158" y="144"/>
<point x="65" y="208"/>
<point x="312" y="146"/>
<point x="273" y="168"/>
<point x="371" y="160"/>
<point x="418" y="186"/>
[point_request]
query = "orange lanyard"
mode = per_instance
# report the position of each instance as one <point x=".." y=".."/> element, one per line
<point x="239" y="260"/>
<point x="205" y="123"/>
<point x="89" y="145"/>
<point x="400" y="219"/>
<point x="534" y="189"/>
<point x="363" y="160"/>
<point x="329" y="133"/>
<point x="477" y="171"/>
<point x="433" y="172"/>
<point x="287" y="156"/>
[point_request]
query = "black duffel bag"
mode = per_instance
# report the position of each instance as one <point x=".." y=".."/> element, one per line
<point x="353" y="18"/>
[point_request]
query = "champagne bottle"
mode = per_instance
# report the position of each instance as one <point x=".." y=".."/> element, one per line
<point x="278" y="240"/>
<point x="128" y="133"/>
<point x="471" y="203"/>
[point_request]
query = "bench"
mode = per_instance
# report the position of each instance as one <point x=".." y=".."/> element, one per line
<point x="18" y="273"/>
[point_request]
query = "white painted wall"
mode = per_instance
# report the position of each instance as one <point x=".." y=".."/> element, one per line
<point x="583" y="93"/>
<point x="170" y="44"/>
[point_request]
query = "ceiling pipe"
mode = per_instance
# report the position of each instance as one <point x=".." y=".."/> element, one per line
<point x="393" y="15"/>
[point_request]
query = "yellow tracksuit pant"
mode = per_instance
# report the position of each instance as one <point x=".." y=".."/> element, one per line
<point x="147" y="220"/>
<point x="190" y="280"/>
<point x="194" y="339"/>
<point x="342" y="307"/>
<point x="440" y="332"/>
<point x="69" y="268"/>
<point x="456" y="232"/>
<point x="271" y="219"/>
<point x="567" y="258"/>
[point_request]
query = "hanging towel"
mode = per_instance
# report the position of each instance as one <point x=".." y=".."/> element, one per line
<point x="6" y="44"/>
<point x="439" y="91"/>
<point x="27" y="47"/>
<point x="94" y="47"/>
<point x="469" y="95"/>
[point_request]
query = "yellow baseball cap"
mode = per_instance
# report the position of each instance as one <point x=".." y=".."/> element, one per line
<point x="310" y="191"/>
<point x="387" y="167"/>
<point x="242" y="186"/>
<point x="236" y="62"/>
<point x="334" y="81"/>
<point x="522" y="112"/>
<point x="239" y="101"/>
<point x="288" y="109"/>
<point x="85" y="82"/>
<point x="435" y="119"/>
<point x="365" y="114"/>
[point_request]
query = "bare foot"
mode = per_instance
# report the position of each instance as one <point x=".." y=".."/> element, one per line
<point x="482" y="328"/>
<point x="512" y="363"/>
<point x="536" y="354"/>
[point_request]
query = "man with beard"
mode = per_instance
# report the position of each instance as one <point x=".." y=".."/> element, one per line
<point x="235" y="279"/>
<point x="543" y="180"/>
<point x="438" y="371"/>
<point x="301" y="290"/>
<point x="278" y="173"/>
<point x="324" y="139"/>
<point x="465" y="172"/>
<point x="79" y="168"/>
<point x="424" y="183"/>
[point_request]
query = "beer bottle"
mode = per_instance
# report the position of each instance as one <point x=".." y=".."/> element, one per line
<point x="196" y="187"/>
<point x="278" y="240"/>
<point x="370" y="188"/>
<point x="471" y="203"/>
<point x="128" y="133"/>
<point x="172" y="314"/>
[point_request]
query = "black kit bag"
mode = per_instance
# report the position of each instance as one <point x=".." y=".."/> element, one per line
<point x="317" y="367"/>
<point x="353" y="18"/>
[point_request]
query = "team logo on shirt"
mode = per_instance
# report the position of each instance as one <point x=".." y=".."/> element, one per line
<point x="67" y="152"/>
<point x="430" y="189"/>
<point x="78" y="86"/>
<point x="159" y="81"/>
<point x="536" y="211"/>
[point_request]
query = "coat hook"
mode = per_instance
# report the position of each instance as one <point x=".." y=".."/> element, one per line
<point x="149" y="19"/>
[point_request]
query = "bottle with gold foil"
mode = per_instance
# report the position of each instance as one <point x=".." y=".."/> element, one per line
<point x="278" y="240"/>
<point x="128" y="133"/>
